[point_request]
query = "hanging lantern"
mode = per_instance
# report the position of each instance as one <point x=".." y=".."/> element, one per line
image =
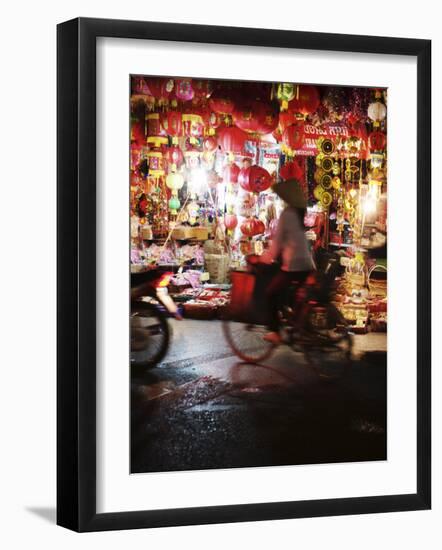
<point x="193" y="125"/>
<point x="174" y="157"/>
<point x="174" y="204"/>
<point x="254" y="179"/>
<point x="172" y="124"/>
<point x="377" y="111"/>
<point x="293" y="136"/>
<point x="286" y="119"/>
<point x="292" y="170"/>
<point x="246" y="116"/>
<point x="377" y="140"/>
<point x="230" y="173"/>
<point x="252" y="227"/>
<point x="184" y="90"/>
<point x="174" y="182"/>
<point x="153" y="125"/>
<point x="306" y="100"/>
<point x="285" y="91"/>
<point x="221" y="102"/>
<point x="230" y="221"/>
<point x="231" y="140"/>
<point x="268" y="118"/>
<point x="160" y="88"/>
<point x="210" y="144"/>
<point x="202" y="88"/>
<point x="155" y="159"/>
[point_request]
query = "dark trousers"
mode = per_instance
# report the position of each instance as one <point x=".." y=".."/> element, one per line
<point x="275" y="293"/>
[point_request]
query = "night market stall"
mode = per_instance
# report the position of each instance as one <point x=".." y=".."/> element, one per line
<point x="204" y="156"/>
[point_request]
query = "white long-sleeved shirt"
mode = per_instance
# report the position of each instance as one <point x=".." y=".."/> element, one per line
<point x="290" y="244"/>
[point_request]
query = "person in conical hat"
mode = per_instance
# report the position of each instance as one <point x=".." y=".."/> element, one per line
<point x="290" y="248"/>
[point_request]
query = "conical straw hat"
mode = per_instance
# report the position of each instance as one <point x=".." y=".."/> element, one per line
<point x="290" y="191"/>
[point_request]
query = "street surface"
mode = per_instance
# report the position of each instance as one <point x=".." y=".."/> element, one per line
<point x="201" y="408"/>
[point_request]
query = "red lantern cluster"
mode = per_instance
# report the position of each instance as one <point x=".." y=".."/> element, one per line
<point x="252" y="227"/>
<point x="254" y="179"/>
<point x="256" y="117"/>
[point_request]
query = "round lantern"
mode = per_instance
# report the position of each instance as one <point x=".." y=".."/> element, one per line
<point x="221" y="102"/>
<point x="232" y="139"/>
<point x="292" y="170"/>
<point x="230" y="221"/>
<point x="184" y="90"/>
<point x="160" y="88"/>
<point x="293" y="136"/>
<point x="174" y="182"/>
<point x="306" y="100"/>
<point x="377" y="141"/>
<point x="174" y="204"/>
<point x="268" y="118"/>
<point x="246" y="116"/>
<point x="377" y="111"/>
<point x="230" y="173"/>
<point x="254" y="179"/>
<point x="252" y="227"/>
<point x="210" y="144"/>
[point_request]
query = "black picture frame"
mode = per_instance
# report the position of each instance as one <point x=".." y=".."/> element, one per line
<point x="76" y="273"/>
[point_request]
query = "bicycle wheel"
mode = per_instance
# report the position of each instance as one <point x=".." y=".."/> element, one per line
<point x="149" y="335"/>
<point x="327" y="341"/>
<point x="247" y="342"/>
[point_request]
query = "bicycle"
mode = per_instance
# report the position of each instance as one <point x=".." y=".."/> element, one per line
<point x="309" y="322"/>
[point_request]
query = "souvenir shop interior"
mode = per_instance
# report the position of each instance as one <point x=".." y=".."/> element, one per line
<point x="204" y="155"/>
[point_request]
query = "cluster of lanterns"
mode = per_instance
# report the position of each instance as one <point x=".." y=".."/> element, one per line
<point x="180" y="125"/>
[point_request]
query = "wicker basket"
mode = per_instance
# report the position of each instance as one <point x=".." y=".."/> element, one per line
<point x="218" y="267"/>
<point x="377" y="287"/>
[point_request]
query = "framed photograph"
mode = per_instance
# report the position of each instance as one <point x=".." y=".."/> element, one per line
<point x="234" y="342"/>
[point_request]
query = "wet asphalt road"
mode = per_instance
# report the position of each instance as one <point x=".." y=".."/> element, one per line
<point x="203" y="409"/>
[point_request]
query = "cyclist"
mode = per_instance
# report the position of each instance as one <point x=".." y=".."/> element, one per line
<point x="290" y="249"/>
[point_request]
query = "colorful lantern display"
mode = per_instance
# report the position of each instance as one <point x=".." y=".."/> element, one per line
<point x="254" y="179"/>
<point x="160" y="89"/>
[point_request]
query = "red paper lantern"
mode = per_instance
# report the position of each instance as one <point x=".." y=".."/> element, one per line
<point x="247" y="115"/>
<point x="293" y="136"/>
<point x="230" y="173"/>
<point x="268" y="118"/>
<point x="202" y="88"/>
<point x="210" y="144"/>
<point x="292" y="170"/>
<point x="230" y="221"/>
<point x="286" y="119"/>
<point x="172" y="123"/>
<point x="377" y="141"/>
<point x="232" y="139"/>
<point x="184" y="90"/>
<point x="174" y="156"/>
<point x="160" y="88"/>
<point x="254" y="179"/>
<point x="306" y="100"/>
<point x="221" y="102"/>
<point x="252" y="227"/>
